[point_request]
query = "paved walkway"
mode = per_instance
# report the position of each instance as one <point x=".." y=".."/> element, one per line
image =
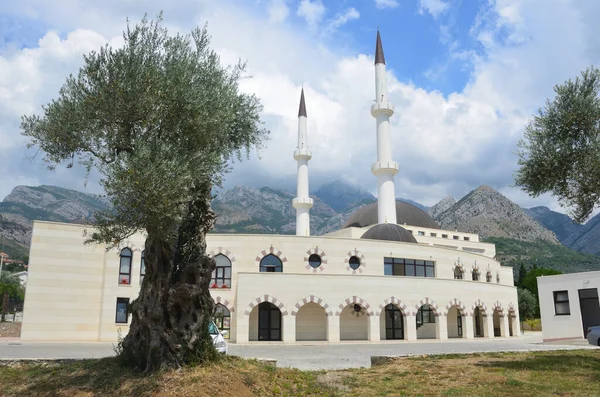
<point x="308" y="355"/>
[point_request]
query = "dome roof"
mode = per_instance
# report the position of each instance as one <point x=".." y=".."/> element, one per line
<point x="390" y="232"/>
<point x="405" y="214"/>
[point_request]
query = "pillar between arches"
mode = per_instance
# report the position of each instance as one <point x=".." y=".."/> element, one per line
<point x="468" y="326"/>
<point x="289" y="329"/>
<point x="333" y="328"/>
<point x="504" y="331"/>
<point x="442" y="333"/>
<point x="410" y="332"/>
<point x="489" y="326"/>
<point x="374" y="328"/>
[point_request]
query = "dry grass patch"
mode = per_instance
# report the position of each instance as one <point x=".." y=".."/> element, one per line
<point x="558" y="373"/>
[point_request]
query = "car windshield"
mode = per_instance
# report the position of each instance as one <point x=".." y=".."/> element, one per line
<point x="212" y="328"/>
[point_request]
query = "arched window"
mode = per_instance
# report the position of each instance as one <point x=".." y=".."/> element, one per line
<point x="497" y="278"/>
<point x="475" y="275"/>
<point x="271" y="263"/>
<point x="221" y="276"/>
<point x="354" y="262"/>
<point x="142" y="268"/>
<point x="125" y="266"/>
<point x="488" y="277"/>
<point x="223" y="319"/>
<point x="458" y="274"/>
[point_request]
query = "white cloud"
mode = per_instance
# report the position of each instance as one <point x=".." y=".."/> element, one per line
<point x="345" y="17"/>
<point x="434" y="7"/>
<point x="381" y="4"/>
<point x="278" y="10"/>
<point x="311" y="11"/>
<point x="445" y="144"/>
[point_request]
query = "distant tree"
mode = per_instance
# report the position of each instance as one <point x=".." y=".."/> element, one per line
<point x="160" y="119"/>
<point x="522" y="274"/>
<point x="560" y="152"/>
<point x="527" y="304"/>
<point x="10" y="287"/>
<point x="530" y="280"/>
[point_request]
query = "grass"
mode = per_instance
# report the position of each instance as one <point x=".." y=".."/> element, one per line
<point x="557" y="373"/>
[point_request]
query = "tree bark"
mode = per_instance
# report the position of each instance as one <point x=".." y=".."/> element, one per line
<point x="169" y="325"/>
<point x="4" y="306"/>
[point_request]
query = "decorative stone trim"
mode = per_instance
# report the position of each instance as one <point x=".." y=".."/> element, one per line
<point x="266" y="298"/>
<point x="482" y="308"/>
<point x="511" y="309"/>
<point x="269" y="251"/>
<point x="455" y="302"/>
<point x="497" y="306"/>
<point x="430" y="302"/>
<point x="225" y="303"/>
<point x="355" y="300"/>
<point x="359" y="255"/>
<point x="396" y="302"/>
<point x="319" y="252"/>
<point x="314" y="299"/>
<point x="222" y="251"/>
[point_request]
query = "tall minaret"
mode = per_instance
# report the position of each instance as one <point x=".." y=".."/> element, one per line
<point x="302" y="202"/>
<point x="384" y="168"/>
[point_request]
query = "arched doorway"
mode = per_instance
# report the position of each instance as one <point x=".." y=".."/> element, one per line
<point x="354" y="323"/>
<point x="391" y="323"/>
<point x="265" y="323"/>
<point x="478" y="323"/>
<point x="427" y="324"/>
<point x="455" y="321"/>
<point x="223" y="320"/>
<point x="497" y="319"/>
<point x="311" y="323"/>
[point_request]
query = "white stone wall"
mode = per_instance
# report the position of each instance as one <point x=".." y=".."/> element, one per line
<point x="556" y="327"/>
<point x="78" y="283"/>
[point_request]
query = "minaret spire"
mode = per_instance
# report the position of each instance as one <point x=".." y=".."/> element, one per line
<point x="384" y="168"/>
<point x="303" y="203"/>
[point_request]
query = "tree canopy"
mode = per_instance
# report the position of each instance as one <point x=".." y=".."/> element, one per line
<point x="560" y="151"/>
<point x="161" y="119"/>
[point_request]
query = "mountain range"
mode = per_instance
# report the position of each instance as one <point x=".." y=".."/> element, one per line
<point x="267" y="210"/>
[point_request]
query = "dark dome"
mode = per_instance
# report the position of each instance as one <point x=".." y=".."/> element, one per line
<point x="390" y="232"/>
<point x="405" y="213"/>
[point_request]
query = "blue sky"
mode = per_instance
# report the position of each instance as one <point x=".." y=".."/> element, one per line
<point x="465" y="77"/>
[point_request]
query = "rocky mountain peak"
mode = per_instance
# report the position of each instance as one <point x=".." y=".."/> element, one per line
<point x="443" y="205"/>
<point x="490" y="214"/>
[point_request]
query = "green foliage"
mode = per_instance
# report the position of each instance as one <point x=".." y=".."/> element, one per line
<point x="512" y="252"/>
<point x="522" y="273"/>
<point x="10" y="285"/>
<point x="157" y="117"/>
<point x="560" y="152"/>
<point x="530" y="280"/>
<point x="528" y="304"/>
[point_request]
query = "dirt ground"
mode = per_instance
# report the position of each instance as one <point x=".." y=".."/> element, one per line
<point x="10" y="330"/>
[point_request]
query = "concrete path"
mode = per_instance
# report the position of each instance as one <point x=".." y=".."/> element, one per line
<point x="310" y="356"/>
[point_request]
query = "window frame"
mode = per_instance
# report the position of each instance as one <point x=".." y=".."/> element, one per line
<point x="126" y="302"/>
<point x="310" y="262"/>
<point x="401" y="266"/>
<point x="220" y="320"/>
<point x="218" y="281"/>
<point x="555" y="295"/>
<point x="125" y="275"/>
<point x="461" y="273"/>
<point x="262" y="268"/>
<point x="354" y="259"/>
<point x="488" y="277"/>
<point x="421" y="314"/>
<point x="475" y="275"/>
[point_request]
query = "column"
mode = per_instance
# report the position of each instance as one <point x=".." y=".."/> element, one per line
<point x="504" y="326"/>
<point x="468" y="327"/>
<point x="410" y="330"/>
<point x="333" y="328"/>
<point x="289" y="328"/>
<point x="442" y="328"/>
<point x="374" y="328"/>
<point x="488" y="323"/>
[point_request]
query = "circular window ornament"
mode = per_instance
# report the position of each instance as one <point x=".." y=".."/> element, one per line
<point x="357" y="308"/>
<point x="354" y="262"/>
<point x="314" y="261"/>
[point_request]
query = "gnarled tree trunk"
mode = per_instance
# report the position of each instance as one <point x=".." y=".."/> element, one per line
<point x="169" y="325"/>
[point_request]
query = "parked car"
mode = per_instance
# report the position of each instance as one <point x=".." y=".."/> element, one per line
<point x="218" y="340"/>
<point x="593" y="335"/>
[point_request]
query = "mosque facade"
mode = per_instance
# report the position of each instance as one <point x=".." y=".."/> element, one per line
<point x="390" y="273"/>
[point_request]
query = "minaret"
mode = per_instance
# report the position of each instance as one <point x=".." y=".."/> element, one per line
<point x="302" y="202"/>
<point x="384" y="168"/>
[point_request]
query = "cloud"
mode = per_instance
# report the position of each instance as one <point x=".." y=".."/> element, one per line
<point x="311" y="11"/>
<point x="343" y="18"/>
<point x="381" y="4"/>
<point x="445" y="144"/>
<point x="278" y="10"/>
<point x="433" y="7"/>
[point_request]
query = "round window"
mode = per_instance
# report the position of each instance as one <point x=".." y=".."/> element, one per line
<point x="357" y="308"/>
<point x="354" y="262"/>
<point x="314" y="260"/>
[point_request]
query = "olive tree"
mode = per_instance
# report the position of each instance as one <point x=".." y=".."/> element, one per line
<point x="161" y="120"/>
<point x="560" y="151"/>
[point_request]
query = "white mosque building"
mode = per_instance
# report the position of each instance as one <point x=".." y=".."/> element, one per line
<point x="389" y="274"/>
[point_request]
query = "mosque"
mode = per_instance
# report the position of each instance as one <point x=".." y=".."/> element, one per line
<point x="390" y="273"/>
